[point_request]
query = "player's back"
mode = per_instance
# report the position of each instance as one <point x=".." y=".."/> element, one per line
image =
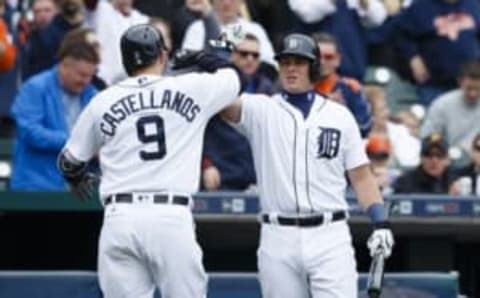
<point x="151" y="129"/>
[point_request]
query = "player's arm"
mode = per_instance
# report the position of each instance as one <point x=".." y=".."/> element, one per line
<point x="368" y="195"/>
<point x="365" y="186"/>
<point x="82" y="182"/>
<point x="233" y="112"/>
<point x="366" y="189"/>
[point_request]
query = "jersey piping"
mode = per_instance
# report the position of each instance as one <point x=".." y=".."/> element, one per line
<point x="294" y="161"/>
<point x="306" y="172"/>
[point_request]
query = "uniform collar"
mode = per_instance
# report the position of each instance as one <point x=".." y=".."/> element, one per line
<point x="140" y="80"/>
<point x="302" y="101"/>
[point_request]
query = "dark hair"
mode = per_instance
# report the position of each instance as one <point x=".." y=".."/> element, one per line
<point x="324" y="37"/>
<point x="249" y="36"/>
<point x="470" y="69"/>
<point x="78" y="46"/>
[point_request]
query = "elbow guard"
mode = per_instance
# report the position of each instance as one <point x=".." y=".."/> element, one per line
<point x="71" y="168"/>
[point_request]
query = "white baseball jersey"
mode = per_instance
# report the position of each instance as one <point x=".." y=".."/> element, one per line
<point x="148" y="130"/>
<point x="300" y="163"/>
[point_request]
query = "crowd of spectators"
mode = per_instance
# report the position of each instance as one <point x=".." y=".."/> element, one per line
<point x="56" y="54"/>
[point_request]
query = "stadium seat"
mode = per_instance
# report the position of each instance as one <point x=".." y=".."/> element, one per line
<point x="401" y="94"/>
<point x="6" y="151"/>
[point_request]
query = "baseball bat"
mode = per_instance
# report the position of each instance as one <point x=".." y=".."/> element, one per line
<point x="375" y="276"/>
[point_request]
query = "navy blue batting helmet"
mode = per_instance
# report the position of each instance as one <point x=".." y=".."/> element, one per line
<point x="140" y="46"/>
<point x="303" y="46"/>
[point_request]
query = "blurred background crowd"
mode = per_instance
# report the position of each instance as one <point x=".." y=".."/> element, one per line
<point x="408" y="70"/>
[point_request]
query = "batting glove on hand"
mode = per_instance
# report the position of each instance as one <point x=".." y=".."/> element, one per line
<point x="231" y="36"/>
<point x="381" y="240"/>
<point x="185" y="59"/>
<point x="85" y="187"/>
<point x="206" y="61"/>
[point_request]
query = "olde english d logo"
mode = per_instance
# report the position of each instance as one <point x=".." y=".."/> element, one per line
<point x="328" y="142"/>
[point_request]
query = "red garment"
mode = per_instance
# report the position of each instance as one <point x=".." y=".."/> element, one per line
<point x="7" y="59"/>
<point x="327" y="85"/>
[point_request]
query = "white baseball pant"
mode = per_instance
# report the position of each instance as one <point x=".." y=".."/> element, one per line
<point x="143" y="246"/>
<point x="304" y="262"/>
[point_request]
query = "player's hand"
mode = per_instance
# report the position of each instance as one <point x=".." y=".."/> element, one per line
<point x="85" y="187"/>
<point x="381" y="239"/>
<point x="211" y="178"/>
<point x="232" y="35"/>
<point x="208" y="62"/>
<point x="185" y="59"/>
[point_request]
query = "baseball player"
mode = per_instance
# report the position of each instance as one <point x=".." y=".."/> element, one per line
<point x="147" y="132"/>
<point x="302" y="145"/>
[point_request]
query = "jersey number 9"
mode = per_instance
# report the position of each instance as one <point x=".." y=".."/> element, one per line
<point x="154" y="137"/>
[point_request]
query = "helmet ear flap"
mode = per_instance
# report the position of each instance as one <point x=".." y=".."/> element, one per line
<point x="314" y="71"/>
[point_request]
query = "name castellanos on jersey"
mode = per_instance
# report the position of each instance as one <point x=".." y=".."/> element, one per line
<point x="143" y="101"/>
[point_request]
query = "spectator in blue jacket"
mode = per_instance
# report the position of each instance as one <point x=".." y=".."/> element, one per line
<point x="436" y="37"/>
<point x="45" y="110"/>
<point x="344" y="90"/>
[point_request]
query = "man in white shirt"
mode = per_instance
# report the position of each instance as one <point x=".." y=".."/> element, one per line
<point x="110" y="20"/>
<point x="227" y="13"/>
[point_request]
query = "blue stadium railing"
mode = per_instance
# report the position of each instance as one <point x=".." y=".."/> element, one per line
<point x="238" y="203"/>
<point x="77" y="284"/>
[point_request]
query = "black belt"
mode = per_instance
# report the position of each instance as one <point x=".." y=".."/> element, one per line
<point x="157" y="198"/>
<point x="306" y="221"/>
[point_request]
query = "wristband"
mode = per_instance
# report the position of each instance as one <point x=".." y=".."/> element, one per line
<point x="377" y="213"/>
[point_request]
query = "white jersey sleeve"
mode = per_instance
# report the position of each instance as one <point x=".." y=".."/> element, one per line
<point x="355" y="153"/>
<point x="252" y="112"/>
<point x="85" y="140"/>
<point x="215" y="90"/>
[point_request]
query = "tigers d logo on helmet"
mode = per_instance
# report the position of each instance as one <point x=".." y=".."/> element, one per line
<point x="292" y="44"/>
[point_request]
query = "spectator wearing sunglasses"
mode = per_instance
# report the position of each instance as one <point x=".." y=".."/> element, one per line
<point x="227" y="161"/>
<point x="434" y="174"/>
<point x="246" y="57"/>
<point x="469" y="176"/>
<point x="344" y="90"/>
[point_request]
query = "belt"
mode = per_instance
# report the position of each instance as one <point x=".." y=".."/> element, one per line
<point x="157" y="198"/>
<point x="304" y="221"/>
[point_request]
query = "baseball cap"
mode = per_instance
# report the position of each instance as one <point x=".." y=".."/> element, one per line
<point x="434" y="141"/>
<point x="378" y="146"/>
